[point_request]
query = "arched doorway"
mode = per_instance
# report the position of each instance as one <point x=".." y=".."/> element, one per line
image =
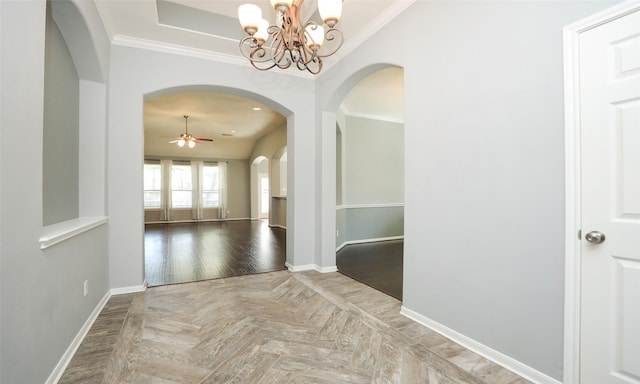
<point x="370" y="181"/>
<point x="198" y="198"/>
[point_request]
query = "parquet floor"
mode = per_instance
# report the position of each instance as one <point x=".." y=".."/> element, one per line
<point x="278" y="327"/>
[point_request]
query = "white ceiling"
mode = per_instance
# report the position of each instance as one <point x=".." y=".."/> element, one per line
<point x="233" y="122"/>
<point x="211" y="27"/>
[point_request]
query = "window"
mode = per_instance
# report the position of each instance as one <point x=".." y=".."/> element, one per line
<point x="152" y="185"/>
<point x="181" y="186"/>
<point x="210" y="186"/>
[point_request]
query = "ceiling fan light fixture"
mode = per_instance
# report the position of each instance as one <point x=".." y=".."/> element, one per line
<point x="186" y="137"/>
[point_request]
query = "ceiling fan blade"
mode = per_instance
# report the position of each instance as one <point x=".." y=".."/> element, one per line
<point x="202" y="139"/>
<point x="173" y="141"/>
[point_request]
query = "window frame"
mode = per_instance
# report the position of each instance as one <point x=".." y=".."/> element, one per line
<point x="161" y="192"/>
<point x="186" y="165"/>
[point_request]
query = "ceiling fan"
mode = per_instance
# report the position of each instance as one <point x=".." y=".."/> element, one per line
<point x="186" y="137"/>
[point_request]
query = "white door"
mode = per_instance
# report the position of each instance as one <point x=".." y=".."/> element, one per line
<point x="610" y="172"/>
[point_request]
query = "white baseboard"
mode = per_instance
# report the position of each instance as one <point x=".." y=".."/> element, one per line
<point x="310" y="267"/>
<point x="133" y="289"/>
<point x="300" y="268"/>
<point x="499" y="358"/>
<point x="197" y="221"/>
<point x="75" y="343"/>
<point x="364" y="241"/>
<point x="326" y="269"/>
<point x="278" y="226"/>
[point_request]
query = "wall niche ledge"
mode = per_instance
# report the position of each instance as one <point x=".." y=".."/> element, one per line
<point x="59" y="232"/>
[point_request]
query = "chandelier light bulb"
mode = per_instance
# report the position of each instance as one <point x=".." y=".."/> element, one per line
<point x="192" y="143"/>
<point x="181" y="143"/>
<point x="281" y="5"/>
<point x="330" y="11"/>
<point x="315" y="36"/>
<point x="262" y="34"/>
<point x="249" y="16"/>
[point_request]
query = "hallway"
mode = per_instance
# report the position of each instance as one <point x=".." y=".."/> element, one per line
<point x="278" y="327"/>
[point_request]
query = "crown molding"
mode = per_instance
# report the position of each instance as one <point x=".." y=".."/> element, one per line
<point x="388" y="119"/>
<point x="158" y="46"/>
<point x="153" y="45"/>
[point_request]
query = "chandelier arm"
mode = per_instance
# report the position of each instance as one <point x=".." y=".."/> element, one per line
<point x="332" y="35"/>
<point x="262" y="68"/>
<point x="264" y="64"/>
<point x="252" y="51"/>
<point x="317" y="64"/>
<point x="278" y="52"/>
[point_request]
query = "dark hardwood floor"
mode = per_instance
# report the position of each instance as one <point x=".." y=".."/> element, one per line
<point x="184" y="252"/>
<point x="379" y="265"/>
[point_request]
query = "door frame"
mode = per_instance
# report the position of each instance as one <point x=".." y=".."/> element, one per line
<point x="572" y="294"/>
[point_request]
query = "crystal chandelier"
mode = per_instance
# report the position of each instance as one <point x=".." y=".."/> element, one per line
<point x="289" y="42"/>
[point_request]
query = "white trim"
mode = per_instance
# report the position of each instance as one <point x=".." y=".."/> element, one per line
<point x="197" y="221"/>
<point x="132" y="289"/>
<point x="364" y="241"/>
<point x="326" y="269"/>
<point x="277" y="226"/>
<point x="300" y="268"/>
<point x="572" y="181"/>
<point x="362" y="206"/>
<point x="499" y="358"/>
<point x="58" y="371"/>
<point x="367" y="32"/>
<point x="310" y="267"/>
<point x="159" y="46"/>
<point x="59" y="232"/>
<point x="369" y="116"/>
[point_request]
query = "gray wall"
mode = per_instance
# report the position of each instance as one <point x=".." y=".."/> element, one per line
<point x="269" y="144"/>
<point x="373" y="161"/>
<point x="370" y="180"/>
<point x="484" y="170"/>
<point x="369" y="223"/>
<point x="60" y="187"/>
<point x="239" y="193"/>
<point x="42" y="302"/>
<point x="278" y="212"/>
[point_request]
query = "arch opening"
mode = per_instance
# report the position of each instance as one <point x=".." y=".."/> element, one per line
<point x="369" y="177"/>
<point x="222" y="180"/>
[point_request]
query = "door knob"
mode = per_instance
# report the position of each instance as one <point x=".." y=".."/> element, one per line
<point x="595" y="237"/>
